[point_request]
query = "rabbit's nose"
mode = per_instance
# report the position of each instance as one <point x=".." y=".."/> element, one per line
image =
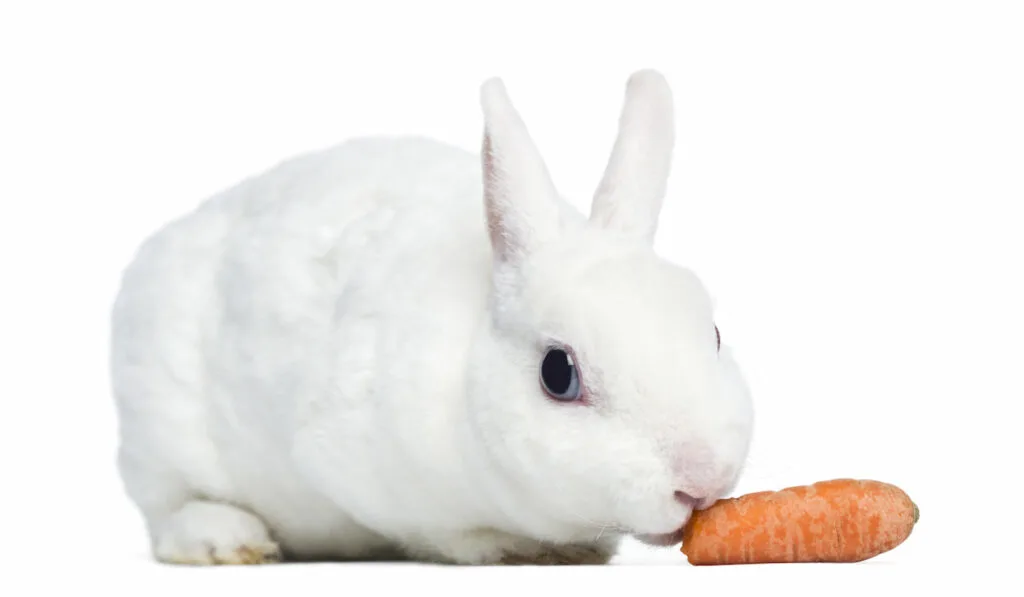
<point x="694" y="501"/>
<point x="700" y="477"/>
<point x="687" y="499"/>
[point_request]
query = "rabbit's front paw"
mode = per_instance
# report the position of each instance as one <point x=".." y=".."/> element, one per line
<point x="562" y="555"/>
<point x="207" y="533"/>
<point x="487" y="547"/>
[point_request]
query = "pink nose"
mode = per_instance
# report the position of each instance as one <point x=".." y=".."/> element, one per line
<point x="694" y="502"/>
<point x="687" y="499"/>
<point x="698" y="476"/>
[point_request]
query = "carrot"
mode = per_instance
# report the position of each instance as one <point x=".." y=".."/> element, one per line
<point x="842" y="520"/>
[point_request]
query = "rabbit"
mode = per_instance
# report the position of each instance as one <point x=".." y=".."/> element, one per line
<point x="396" y="349"/>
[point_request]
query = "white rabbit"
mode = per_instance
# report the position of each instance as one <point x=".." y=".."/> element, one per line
<point x="396" y="349"/>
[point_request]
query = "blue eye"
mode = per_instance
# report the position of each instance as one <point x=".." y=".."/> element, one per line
<point x="559" y="376"/>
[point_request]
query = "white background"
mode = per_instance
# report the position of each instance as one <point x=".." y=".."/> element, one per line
<point x="848" y="183"/>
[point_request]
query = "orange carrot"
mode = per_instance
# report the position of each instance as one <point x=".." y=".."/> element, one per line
<point x="842" y="520"/>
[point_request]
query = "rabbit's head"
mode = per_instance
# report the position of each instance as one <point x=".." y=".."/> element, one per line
<point x="599" y="388"/>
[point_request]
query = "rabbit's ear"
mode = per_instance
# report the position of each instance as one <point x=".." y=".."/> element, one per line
<point x="631" y="193"/>
<point x="519" y="195"/>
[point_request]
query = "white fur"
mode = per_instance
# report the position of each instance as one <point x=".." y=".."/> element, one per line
<point x="346" y="349"/>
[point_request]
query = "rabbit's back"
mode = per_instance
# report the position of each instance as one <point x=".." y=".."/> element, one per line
<point x="236" y="321"/>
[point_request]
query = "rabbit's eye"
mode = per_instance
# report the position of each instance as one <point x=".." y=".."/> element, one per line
<point x="719" y="337"/>
<point x="558" y="375"/>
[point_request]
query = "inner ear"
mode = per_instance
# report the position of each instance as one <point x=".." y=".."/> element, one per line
<point x="506" y="222"/>
<point x="493" y="211"/>
<point x="521" y="202"/>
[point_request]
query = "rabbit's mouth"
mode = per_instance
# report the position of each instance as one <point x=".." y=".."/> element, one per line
<point x="675" y="537"/>
<point x="662" y="540"/>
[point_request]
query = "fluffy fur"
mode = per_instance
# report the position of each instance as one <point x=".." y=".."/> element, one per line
<point x="339" y="358"/>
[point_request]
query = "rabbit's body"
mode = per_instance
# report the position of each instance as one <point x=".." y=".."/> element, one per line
<point x="354" y="275"/>
<point x="306" y="364"/>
